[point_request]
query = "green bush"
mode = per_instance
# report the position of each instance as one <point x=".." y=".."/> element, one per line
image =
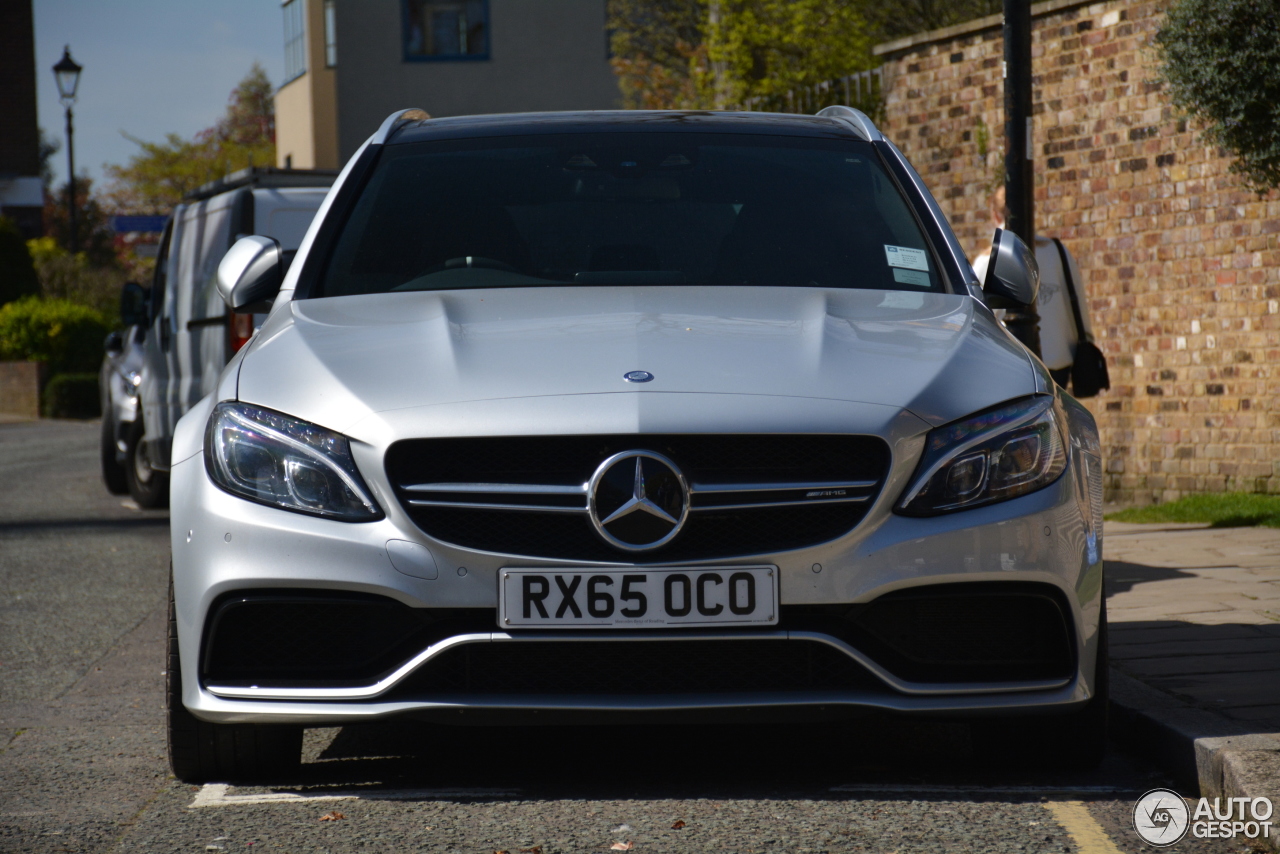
<point x="72" y="396"/>
<point x="1221" y="59"/>
<point x="71" y="277"/>
<point x="17" y="273"/>
<point x="66" y="336"/>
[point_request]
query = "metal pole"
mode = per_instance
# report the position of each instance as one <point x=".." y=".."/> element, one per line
<point x="1019" y="177"/>
<point x="71" y="186"/>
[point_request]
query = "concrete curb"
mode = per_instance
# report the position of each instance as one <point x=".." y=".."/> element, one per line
<point x="1205" y="753"/>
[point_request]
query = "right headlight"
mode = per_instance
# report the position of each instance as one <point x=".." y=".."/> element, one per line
<point x="994" y="456"/>
<point x="273" y="459"/>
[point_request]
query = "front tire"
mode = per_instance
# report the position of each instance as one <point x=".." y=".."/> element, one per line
<point x="149" y="487"/>
<point x="202" y="752"/>
<point x="113" y="473"/>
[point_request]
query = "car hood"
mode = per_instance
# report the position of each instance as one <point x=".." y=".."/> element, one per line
<point x="337" y="360"/>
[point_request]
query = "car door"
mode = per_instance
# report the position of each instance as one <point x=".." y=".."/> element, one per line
<point x="158" y="346"/>
<point x="207" y="324"/>
<point x="200" y="321"/>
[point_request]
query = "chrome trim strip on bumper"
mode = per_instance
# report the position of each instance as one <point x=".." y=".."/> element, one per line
<point x="695" y="489"/>
<point x="550" y="508"/>
<point x="369" y="692"/>
<point x="581" y="489"/>
<point x="706" y="488"/>
<point x="222" y="710"/>
<point x="480" y="505"/>
<point x="808" y="502"/>
<point x="500" y="488"/>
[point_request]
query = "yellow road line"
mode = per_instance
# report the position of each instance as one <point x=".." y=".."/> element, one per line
<point x="1084" y="831"/>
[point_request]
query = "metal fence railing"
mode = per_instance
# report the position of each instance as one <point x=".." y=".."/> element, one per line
<point x="863" y="90"/>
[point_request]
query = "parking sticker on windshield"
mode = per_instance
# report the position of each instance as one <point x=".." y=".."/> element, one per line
<point x="911" y="277"/>
<point x="905" y="256"/>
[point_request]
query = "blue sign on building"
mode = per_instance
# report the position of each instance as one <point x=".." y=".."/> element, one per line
<point x="126" y="224"/>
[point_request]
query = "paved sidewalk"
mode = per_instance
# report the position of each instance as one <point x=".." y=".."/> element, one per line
<point x="1195" y="612"/>
<point x="1195" y="650"/>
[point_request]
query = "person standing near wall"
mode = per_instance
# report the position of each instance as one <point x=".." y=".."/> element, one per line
<point x="1064" y="315"/>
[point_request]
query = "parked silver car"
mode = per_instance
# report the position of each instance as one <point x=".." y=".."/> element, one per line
<point x="190" y="332"/>
<point x="654" y="414"/>
<point x="118" y="381"/>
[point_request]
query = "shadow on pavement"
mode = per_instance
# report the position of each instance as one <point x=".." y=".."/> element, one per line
<point x="866" y="754"/>
<point x="127" y="523"/>
<point x="1232" y="668"/>
<point x="1122" y="576"/>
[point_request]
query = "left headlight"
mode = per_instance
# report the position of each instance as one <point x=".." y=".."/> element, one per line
<point x="1000" y="454"/>
<point x="273" y="459"/>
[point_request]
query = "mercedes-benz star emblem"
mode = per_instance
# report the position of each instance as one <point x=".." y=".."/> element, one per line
<point x="638" y="500"/>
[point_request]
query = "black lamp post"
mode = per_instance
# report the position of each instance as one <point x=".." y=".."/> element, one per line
<point x="1019" y="179"/>
<point x="67" y="73"/>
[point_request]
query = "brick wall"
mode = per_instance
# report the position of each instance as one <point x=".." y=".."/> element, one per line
<point x="20" y="385"/>
<point x="20" y="141"/>
<point x="1181" y="263"/>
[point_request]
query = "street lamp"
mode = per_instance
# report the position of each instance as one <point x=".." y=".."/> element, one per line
<point x="1019" y="176"/>
<point x="67" y="73"/>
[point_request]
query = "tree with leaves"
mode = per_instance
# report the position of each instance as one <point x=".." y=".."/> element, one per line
<point x="766" y="47"/>
<point x="1221" y="61"/>
<point x="705" y="54"/>
<point x="94" y="236"/>
<point x="17" y="273"/>
<point x="162" y="173"/>
<point x="894" y="19"/>
<point x="655" y="47"/>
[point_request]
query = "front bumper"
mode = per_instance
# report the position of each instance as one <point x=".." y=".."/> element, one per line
<point x="224" y="546"/>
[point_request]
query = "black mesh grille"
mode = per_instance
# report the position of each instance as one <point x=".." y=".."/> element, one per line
<point x="570" y="460"/>
<point x="317" y="638"/>
<point x="965" y="632"/>
<point x="637" y="667"/>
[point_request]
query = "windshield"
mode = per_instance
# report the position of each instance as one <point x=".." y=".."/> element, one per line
<point x="630" y="209"/>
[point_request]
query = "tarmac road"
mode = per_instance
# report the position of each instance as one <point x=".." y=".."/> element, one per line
<point x="82" y="756"/>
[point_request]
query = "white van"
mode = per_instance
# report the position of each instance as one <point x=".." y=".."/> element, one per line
<point x="192" y="335"/>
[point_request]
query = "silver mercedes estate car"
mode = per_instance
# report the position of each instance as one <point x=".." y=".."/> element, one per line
<point x="659" y="416"/>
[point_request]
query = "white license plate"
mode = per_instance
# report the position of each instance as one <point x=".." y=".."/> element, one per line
<point x="638" y="598"/>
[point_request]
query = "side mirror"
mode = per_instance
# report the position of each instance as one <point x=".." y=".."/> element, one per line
<point x="114" y="343"/>
<point x="250" y="274"/>
<point x="1013" y="276"/>
<point x="133" y="304"/>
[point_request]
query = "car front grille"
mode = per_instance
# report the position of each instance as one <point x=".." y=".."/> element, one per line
<point x="639" y="667"/>
<point x="750" y="494"/>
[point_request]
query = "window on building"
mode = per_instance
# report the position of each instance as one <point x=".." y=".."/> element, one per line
<point x="446" y="29"/>
<point x="330" y="35"/>
<point x="295" y="44"/>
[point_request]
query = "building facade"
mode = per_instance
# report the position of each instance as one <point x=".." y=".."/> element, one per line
<point x="349" y="65"/>
<point x="1181" y="263"/>
<point x="21" y="188"/>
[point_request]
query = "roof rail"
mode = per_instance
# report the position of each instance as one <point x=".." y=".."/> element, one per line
<point x="861" y="121"/>
<point x="397" y="120"/>
<point x="263" y="176"/>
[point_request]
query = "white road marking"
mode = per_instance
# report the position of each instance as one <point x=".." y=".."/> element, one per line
<point x="215" y="795"/>
<point x="1006" y="791"/>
